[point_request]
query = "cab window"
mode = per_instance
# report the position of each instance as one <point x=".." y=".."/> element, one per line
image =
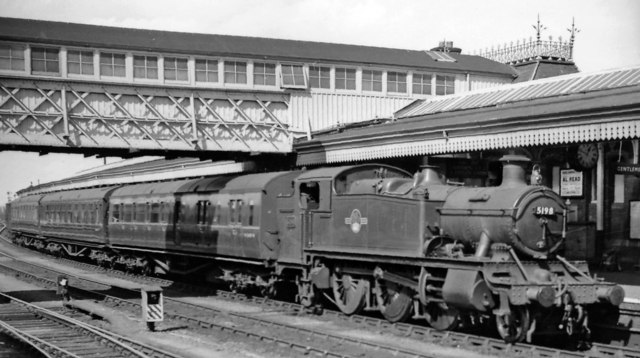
<point x="310" y="195"/>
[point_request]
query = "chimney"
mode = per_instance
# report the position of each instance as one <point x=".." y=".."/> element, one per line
<point x="446" y="46"/>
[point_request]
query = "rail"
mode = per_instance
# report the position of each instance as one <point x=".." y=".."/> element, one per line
<point x="22" y="314"/>
<point x="425" y="334"/>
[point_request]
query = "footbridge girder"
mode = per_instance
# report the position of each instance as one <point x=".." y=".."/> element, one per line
<point x="62" y="115"/>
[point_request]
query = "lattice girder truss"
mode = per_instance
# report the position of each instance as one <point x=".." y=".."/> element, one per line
<point x="88" y="115"/>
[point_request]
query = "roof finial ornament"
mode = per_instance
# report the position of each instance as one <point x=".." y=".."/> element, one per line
<point x="573" y="30"/>
<point x="539" y="27"/>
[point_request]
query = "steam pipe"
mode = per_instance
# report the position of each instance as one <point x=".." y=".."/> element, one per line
<point x="483" y="245"/>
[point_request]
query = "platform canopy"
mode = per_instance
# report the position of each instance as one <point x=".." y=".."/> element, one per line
<point x="585" y="107"/>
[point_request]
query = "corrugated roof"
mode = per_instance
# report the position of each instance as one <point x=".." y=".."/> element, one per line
<point x="549" y="87"/>
<point x="572" y="109"/>
<point x="219" y="45"/>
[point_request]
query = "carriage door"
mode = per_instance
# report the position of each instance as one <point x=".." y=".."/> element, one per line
<point x="178" y="217"/>
<point x="315" y="204"/>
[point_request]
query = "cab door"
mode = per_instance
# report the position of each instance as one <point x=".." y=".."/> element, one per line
<point x="289" y="216"/>
<point x="316" y="217"/>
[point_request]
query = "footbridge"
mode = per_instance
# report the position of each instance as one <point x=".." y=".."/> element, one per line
<point x="104" y="118"/>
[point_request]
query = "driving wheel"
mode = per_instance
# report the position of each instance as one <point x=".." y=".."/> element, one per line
<point x="348" y="293"/>
<point x="513" y="326"/>
<point x="440" y="316"/>
<point x="394" y="301"/>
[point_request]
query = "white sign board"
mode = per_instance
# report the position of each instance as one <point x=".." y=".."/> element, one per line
<point x="634" y="223"/>
<point x="571" y="183"/>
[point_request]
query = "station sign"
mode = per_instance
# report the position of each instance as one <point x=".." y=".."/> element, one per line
<point x="628" y="169"/>
<point x="571" y="183"/>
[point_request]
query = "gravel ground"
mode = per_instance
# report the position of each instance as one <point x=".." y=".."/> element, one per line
<point x="175" y="339"/>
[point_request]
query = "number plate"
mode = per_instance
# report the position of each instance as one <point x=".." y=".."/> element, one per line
<point x="544" y="211"/>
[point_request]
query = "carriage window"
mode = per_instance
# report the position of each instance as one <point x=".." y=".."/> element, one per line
<point x="232" y="211"/>
<point x="310" y="195"/>
<point x="155" y="213"/>
<point x="115" y="213"/>
<point x="235" y="211"/>
<point x="251" y="206"/>
<point x="164" y="212"/>
<point x="178" y="212"/>
<point x="202" y="211"/>
<point x="214" y="213"/>
<point x="217" y="213"/>
<point x="141" y="212"/>
<point x="127" y="213"/>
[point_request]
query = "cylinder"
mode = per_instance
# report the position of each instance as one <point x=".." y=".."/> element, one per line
<point x="612" y="294"/>
<point x="544" y="295"/>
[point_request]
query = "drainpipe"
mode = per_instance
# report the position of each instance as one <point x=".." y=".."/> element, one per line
<point x="600" y="189"/>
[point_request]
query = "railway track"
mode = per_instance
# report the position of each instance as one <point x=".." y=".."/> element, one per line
<point x="298" y="340"/>
<point x="177" y="309"/>
<point x="54" y="334"/>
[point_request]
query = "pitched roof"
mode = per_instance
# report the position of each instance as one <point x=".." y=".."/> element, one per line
<point x="526" y="91"/>
<point x="216" y="45"/>
<point x="538" y="69"/>
<point x="574" y="108"/>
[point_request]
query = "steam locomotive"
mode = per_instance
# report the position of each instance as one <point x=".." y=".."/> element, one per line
<point x="365" y="237"/>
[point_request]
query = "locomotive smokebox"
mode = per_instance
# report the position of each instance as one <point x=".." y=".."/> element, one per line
<point x="531" y="219"/>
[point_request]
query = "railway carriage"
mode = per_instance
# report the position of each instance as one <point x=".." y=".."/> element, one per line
<point x="24" y="216"/>
<point x="74" y="220"/>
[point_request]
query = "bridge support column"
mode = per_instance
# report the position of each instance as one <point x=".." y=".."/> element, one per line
<point x="194" y="123"/>
<point x="65" y="113"/>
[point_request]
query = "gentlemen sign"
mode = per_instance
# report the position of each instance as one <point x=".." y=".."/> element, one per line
<point x="570" y="183"/>
<point x="628" y="169"/>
